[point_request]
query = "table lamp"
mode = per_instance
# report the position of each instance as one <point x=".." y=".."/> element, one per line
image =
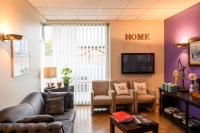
<point x="49" y="73"/>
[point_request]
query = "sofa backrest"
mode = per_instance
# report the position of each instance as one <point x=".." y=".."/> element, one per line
<point x="36" y="100"/>
<point x="119" y="81"/>
<point x="15" y="113"/>
<point x="33" y="104"/>
<point x="100" y="87"/>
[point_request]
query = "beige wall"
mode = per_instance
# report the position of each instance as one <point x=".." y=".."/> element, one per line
<point x="119" y="45"/>
<point x="17" y="16"/>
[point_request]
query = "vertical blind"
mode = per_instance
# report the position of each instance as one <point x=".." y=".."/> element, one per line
<point x="84" y="49"/>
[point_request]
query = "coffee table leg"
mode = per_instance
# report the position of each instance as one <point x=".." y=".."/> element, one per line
<point x="112" y="127"/>
<point x="155" y="129"/>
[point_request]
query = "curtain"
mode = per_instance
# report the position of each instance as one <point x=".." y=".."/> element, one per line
<point x="84" y="49"/>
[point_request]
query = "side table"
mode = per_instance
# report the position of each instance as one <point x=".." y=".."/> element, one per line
<point x="62" y="89"/>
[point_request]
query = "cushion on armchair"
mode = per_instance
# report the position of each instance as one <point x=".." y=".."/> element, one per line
<point x="145" y="99"/>
<point x="102" y="100"/>
<point x="121" y="88"/>
<point x="100" y="87"/>
<point x="140" y="88"/>
<point x="37" y="119"/>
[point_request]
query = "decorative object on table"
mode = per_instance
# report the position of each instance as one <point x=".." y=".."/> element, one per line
<point x="50" y="72"/>
<point x="192" y="77"/>
<point x="194" y="52"/>
<point x="171" y="88"/>
<point x="196" y="95"/>
<point x="182" y="74"/>
<point x="20" y="57"/>
<point x="198" y="81"/>
<point x="66" y="75"/>
<point x="59" y="84"/>
<point x="176" y="76"/>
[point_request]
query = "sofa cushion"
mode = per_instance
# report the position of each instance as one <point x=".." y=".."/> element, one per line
<point x="119" y="81"/>
<point x="37" y="119"/>
<point x="121" y="88"/>
<point x="68" y="115"/>
<point x="15" y="113"/>
<point x="141" y="88"/>
<point x="36" y="100"/>
<point x="100" y="87"/>
<point x="145" y="98"/>
<point x="54" y="106"/>
<point x="66" y="96"/>
<point x="124" y="99"/>
<point x="102" y="100"/>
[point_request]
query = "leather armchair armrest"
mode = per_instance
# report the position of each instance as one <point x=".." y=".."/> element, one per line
<point x="151" y="92"/>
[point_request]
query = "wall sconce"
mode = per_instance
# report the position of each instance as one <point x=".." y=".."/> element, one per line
<point x="181" y="45"/>
<point x="4" y="37"/>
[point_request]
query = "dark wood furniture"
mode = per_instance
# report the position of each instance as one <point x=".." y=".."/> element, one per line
<point x="132" y="127"/>
<point x="174" y="100"/>
<point x="62" y="89"/>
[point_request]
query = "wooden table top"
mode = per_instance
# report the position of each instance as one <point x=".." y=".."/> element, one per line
<point x="130" y="126"/>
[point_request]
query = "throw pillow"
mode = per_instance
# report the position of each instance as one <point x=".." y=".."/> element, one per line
<point x="140" y="88"/>
<point x="65" y="95"/>
<point x="54" y="106"/>
<point x="37" y="119"/>
<point x="121" y="88"/>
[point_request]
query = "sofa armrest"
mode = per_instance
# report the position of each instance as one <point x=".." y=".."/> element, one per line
<point x="111" y="93"/>
<point x="132" y="92"/>
<point x="71" y="101"/>
<point x="53" y="127"/>
<point x="151" y="92"/>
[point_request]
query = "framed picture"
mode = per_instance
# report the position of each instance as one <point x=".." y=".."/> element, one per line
<point x="20" y="57"/>
<point x="194" y="53"/>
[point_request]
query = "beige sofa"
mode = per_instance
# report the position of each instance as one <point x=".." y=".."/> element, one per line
<point x="103" y="95"/>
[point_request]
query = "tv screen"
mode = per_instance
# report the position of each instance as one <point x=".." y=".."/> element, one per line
<point x="137" y="63"/>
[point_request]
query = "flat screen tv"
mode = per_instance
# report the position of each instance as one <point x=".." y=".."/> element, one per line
<point x="137" y="63"/>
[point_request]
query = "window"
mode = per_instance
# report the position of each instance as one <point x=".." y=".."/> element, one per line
<point x="81" y="47"/>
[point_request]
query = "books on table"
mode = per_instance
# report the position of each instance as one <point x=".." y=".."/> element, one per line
<point x="123" y="116"/>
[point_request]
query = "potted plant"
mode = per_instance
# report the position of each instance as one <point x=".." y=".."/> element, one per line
<point x="66" y="75"/>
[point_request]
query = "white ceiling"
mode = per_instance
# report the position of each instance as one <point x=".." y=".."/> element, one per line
<point x="110" y="9"/>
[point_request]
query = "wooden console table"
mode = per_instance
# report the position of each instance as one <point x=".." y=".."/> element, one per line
<point x="174" y="99"/>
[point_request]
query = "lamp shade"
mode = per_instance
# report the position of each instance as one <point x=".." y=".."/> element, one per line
<point x="50" y="72"/>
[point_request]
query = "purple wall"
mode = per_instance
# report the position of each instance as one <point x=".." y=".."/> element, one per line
<point x="179" y="28"/>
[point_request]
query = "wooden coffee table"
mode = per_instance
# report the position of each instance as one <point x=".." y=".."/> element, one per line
<point x="132" y="127"/>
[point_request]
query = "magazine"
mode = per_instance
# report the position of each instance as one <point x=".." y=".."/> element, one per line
<point x="139" y="119"/>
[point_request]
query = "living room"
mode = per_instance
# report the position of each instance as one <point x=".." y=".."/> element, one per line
<point x="81" y="46"/>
